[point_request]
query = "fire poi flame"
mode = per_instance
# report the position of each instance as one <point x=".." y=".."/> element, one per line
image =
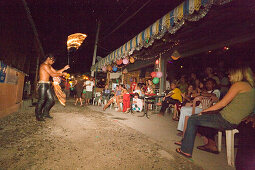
<point x="75" y="40"/>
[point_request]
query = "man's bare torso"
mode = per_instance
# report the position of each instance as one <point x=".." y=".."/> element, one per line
<point x="43" y="74"/>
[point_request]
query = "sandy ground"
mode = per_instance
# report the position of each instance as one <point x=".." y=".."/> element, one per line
<point x="80" y="138"/>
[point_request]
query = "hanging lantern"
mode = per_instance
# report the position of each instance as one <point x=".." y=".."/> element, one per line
<point x="155" y="80"/>
<point x="109" y="68"/>
<point x="159" y="74"/>
<point x="153" y="74"/>
<point x="104" y="69"/>
<point x="119" y="62"/>
<point x="176" y="55"/>
<point x="157" y="62"/>
<point x="125" y="61"/>
<point x="125" y="71"/>
<point x="114" y="68"/>
<point x="132" y="60"/>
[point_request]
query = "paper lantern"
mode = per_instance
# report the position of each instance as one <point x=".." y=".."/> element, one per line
<point x="125" y="71"/>
<point x="176" y="55"/>
<point x="104" y="68"/>
<point x="132" y="60"/>
<point x="119" y="62"/>
<point x="157" y="62"/>
<point x="159" y="74"/>
<point x="109" y="68"/>
<point x="153" y="74"/>
<point x="125" y="61"/>
<point x="155" y="80"/>
<point x="114" y="68"/>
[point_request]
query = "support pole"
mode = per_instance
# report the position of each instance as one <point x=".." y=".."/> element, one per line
<point x="162" y="68"/>
<point x="37" y="40"/>
<point x="68" y="55"/>
<point x="95" y="48"/>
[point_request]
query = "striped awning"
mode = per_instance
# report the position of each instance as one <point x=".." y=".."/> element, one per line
<point x="169" y="23"/>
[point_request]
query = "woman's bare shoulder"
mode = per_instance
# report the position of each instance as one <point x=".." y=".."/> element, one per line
<point x="243" y="86"/>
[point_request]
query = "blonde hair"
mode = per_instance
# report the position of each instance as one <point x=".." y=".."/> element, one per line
<point x="241" y="73"/>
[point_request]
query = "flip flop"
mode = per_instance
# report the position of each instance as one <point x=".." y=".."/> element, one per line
<point x="178" y="150"/>
<point x="203" y="148"/>
<point x="179" y="143"/>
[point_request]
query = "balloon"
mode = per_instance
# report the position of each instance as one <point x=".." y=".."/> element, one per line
<point x="109" y="68"/>
<point x="125" y="61"/>
<point x="159" y="74"/>
<point x="104" y="69"/>
<point x="132" y="60"/>
<point x="114" y="68"/>
<point x="155" y="80"/>
<point x="119" y="62"/>
<point x="153" y="74"/>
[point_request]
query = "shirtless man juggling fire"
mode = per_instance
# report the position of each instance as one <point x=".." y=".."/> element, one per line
<point x="46" y="99"/>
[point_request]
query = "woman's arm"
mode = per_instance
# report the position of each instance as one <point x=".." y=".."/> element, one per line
<point x="233" y="91"/>
<point x="185" y="96"/>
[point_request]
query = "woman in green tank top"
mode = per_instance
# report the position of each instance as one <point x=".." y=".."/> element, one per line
<point x="237" y="104"/>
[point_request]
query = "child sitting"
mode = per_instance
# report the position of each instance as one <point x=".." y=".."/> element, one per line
<point x="126" y="100"/>
<point x="173" y="97"/>
<point x="137" y="103"/>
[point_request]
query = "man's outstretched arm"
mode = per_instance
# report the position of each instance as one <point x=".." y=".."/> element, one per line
<point x="53" y="73"/>
<point x="61" y="70"/>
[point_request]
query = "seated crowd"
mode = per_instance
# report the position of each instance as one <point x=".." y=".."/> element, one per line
<point x="215" y="107"/>
<point x="203" y="106"/>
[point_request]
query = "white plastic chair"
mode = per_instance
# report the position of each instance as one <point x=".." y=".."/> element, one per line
<point x="97" y="94"/>
<point x="230" y="143"/>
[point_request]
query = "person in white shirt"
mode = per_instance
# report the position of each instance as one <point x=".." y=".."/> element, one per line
<point x="137" y="103"/>
<point x="89" y="89"/>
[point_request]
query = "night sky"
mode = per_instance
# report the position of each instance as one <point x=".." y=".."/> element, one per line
<point x="56" y="19"/>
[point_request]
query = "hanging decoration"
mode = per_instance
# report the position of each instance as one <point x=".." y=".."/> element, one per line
<point x="153" y="74"/>
<point x="104" y="69"/>
<point x="132" y="60"/>
<point x="125" y="61"/>
<point x="109" y="68"/>
<point x="159" y="74"/>
<point x="176" y="55"/>
<point x="114" y="68"/>
<point x="119" y="62"/>
<point x="168" y="24"/>
<point x="155" y="80"/>
<point x="157" y="62"/>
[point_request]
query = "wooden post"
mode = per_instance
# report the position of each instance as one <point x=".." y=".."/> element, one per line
<point x="162" y="68"/>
